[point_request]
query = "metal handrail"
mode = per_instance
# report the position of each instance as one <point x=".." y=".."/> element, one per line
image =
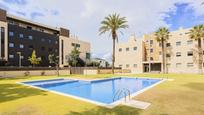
<point x="116" y="94"/>
<point x="121" y="91"/>
<point x="127" y="91"/>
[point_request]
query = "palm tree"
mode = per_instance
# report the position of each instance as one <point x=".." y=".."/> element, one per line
<point x="113" y="23"/>
<point x="162" y="35"/>
<point x="197" y="33"/>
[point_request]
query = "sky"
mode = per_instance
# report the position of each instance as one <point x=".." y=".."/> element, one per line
<point x="83" y="17"/>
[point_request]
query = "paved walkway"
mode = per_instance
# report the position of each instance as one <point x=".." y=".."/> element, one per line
<point x="137" y="104"/>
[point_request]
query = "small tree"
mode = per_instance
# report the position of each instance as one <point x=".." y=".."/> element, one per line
<point x="54" y="60"/>
<point x="33" y="59"/>
<point x="74" y="56"/>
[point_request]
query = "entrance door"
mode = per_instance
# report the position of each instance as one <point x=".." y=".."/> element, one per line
<point x="146" y="68"/>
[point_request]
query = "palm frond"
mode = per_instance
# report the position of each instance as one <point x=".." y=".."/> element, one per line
<point x="162" y="34"/>
<point x="113" y="23"/>
<point x="197" y="32"/>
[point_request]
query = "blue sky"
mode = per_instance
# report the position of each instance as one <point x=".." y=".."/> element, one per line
<point x="184" y="16"/>
<point x="83" y="17"/>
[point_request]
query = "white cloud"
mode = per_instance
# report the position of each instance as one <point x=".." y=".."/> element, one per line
<point x="83" y="17"/>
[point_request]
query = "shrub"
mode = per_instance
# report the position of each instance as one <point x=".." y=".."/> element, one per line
<point x="27" y="73"/>
<point x="42" y="73"/>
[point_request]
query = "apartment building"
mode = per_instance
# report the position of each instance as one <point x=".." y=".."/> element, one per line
<point x="19" y="37"/>
<point x="68" y="45"/>
<point x="128" y="55"/>
<point x="181" y="54"/>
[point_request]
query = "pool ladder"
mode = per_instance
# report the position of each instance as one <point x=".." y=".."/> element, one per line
<point x="124" y="91"/>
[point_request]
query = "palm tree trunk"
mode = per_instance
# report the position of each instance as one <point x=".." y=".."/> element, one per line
<point x="163" y="57"/>
<point x="200" y="57"/>
<point x="113" y="58"/>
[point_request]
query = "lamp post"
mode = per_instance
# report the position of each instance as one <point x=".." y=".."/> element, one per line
<point x="19" y="53"/>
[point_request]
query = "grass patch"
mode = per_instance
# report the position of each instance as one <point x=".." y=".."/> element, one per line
<point x="184" y="95"/>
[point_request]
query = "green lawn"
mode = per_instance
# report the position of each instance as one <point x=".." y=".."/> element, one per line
<point x="183" y="96"/>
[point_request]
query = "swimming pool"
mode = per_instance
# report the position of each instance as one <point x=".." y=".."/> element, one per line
<point x="102" y="92"/>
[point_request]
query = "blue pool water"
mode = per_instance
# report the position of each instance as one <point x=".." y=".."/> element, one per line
<point x="102" y="91"/>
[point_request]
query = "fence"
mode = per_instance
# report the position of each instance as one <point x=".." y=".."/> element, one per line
<point x="37" y="71"/>
<point x="40" y="71"/>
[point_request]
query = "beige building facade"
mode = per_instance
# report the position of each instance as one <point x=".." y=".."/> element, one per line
<point x="128" y="55"/>
<point x="181" y="54"/>
<point x="67" y="44"/>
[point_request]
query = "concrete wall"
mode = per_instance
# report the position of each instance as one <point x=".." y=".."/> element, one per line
<point x="32" y="73"/>
<point x="91" y="72"/>
<point x="108" y="71"/>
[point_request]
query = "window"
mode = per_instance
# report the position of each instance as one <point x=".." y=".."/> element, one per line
<point x="151" y="50"/>
<point x="73" y="44"/>
<point x="28" y="27"/>
<point x="42" y="39"/>
<point x="178" y="54"/>
<point x="50" y="49"/>
<point x="21" y="35"/>
<point x="135" y="48"/>
<point x="41" y="30"/>
<point x="30" y="37"/>
<point x="127" y="65"/>
<point x="62" y="51"/>
<point x="189" y="42"/>
<point x="30" y="47"/>
<point x="76" y="45"/>
<point x="168" y="65"/>
<point x="190" y="53"/>
<point x="11" y="56"/>
<point x="135" y="65"/>
<point x="151" y="41"/>
<point x="43" y="48"/>
<point x="2" y="29"/>
<point x="168" y="55"/>
<point x="22" y="57"/>
<point x="168" y="44"/>
<point x="151" y="58"/>
<point x="21" y="46"/>
<point x="178" y="65"/>
<point x="11" y="45"/>
<point x="127" y="49"/>
<point x="178" y="43"/>
<point x="120" y="49"/>
<point x="88" y="56"/>
<point x="189" y="64"/>
<point x="11" y="34"/>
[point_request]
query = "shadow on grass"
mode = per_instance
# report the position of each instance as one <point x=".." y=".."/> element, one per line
<point x="119" y="110"/>
<point x="13" y="78"/>
<point x="195" y="86"/>
<point x="9" y="92"/>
